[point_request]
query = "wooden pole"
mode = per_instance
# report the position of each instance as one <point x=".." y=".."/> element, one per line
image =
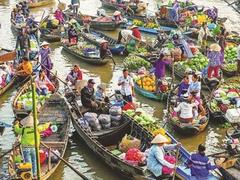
<point x="35" y="127"/>
<point x="175" y="168"/>
<point x="65" y="162"/>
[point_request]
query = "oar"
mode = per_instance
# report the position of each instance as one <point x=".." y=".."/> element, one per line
<point x="214" y="154"/>
<point x="4" y="154"/>
<point x="175" y="168"/>
<point x="65" y="162"/>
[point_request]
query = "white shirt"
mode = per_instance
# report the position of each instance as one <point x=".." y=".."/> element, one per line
<point x="126" y="87"/>
<point x="126" y="33"/>
<point x="186" y="109"/>
<point x="238" y="52"/>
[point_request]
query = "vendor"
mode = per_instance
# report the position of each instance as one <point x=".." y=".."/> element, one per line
<point x="199" y="164"/>
<point x="72" y="35"/>
<point x="155" y="159"/>
<point x="186" y="109"/>
<point x="43" y="84"/>
<point x="28" y="140"/>
<point x="195" y="87"/>
<point x="117" y="17"/>
<point x="162" y="37"/>
<point x="74" y="75"/>
<point x="25" y="68"/>
<point x="58" y="14"/>
<point x="104" y="49"/>
<point x="136" y="32"/>
<point x="44" y="58"/>
<point x="75" y="5"/>
<point x="203" y="35"/>
<point x="183" y="86"/>
<point x="214" y="57"/>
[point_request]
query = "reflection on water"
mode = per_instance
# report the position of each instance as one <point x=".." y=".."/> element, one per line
<point x="77" y="153"/>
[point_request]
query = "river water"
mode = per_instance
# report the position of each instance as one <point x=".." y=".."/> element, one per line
<point x="77" y="152"/>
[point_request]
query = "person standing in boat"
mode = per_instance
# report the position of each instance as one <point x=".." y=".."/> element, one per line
<point x="43" y="84"/>
<point x="200" y="165"/>
<point x="26" y="130"/>
<point x="75" y="5"/>
<point x="156" y="154"/>
<point x="222" y="43"/>
<point x="214" y="57"/>
<point x="72" y="36"/>
<point x="19" y="19"/>
<point x="58" y="14"/>
<point x="127" y="86"/>
<point x="74" y="75"/>
<point x="23" y="44"/>
<point x="203" y="35"/>
<point x="44" y="58"/>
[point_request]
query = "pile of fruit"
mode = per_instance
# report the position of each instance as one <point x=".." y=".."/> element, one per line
<point x="137" y="22"/>
<point x="142" y="51"/>
<point x="83" y="47"/>
<point x="230" y="56"/>
<point x="150" y="24"/>
<point x="54" y="23"/>
<point x="133" y="63"/>
<point x="147" y="121"/>
<point x="146" y="82"/>
<point x="225" y="97"/>
<point x="25" y="101"/>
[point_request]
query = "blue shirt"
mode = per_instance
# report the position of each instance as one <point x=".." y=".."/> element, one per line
<point x="200" y="165"/>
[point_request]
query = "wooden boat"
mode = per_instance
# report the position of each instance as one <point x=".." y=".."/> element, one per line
<point x="95" y="37"/>
<point x="56" y="111"/>
<point x="228" y="73"/>
<point x="7" y="55"/>
<point x="40" y="3"/>
<point x="187" y="129"/>
<point x="151" y="95"/>
<point x="8" y="86"/>
<point x="116" y="163"/>
<point x="87" y="59"/>
<point x="19" y="112"/>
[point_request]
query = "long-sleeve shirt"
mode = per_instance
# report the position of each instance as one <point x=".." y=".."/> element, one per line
<point x="27" y="134"/>
<point x="200" y="165"/>
<point x="160" y="68"/>
<point x="156" y="161"/>
<point x="42" y="83"/>
<point x="214" y="58"/>
<point x="45" y="58"/>
<point x="23" y="42"/>
<point x="185" y="109"/>
<point x="182" y="87"/>
<point x="87" y="96"/>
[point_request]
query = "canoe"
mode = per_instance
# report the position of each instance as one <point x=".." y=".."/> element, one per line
<point x="216" y="114"/>
<point x="87" y="59"/>
<point x="20" y="112"/>
<point x="7" y="55"/>
<point x="115" y="6"/>
<point x="187" y="129"/>
<point x="56" y="111"/>
<point x="228" y="73"/>
<point x="40" y="3"/>
<point x="150" y="95"/>
<point x="95" y="37"/>
<point x="116" y="163"/>
<point x="8" y="86"/>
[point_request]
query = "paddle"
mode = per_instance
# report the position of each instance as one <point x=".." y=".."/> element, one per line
<point x="65" y="162"/>
<point x="175" y="168"/>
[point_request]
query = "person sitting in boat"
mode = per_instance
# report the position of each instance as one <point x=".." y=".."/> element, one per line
<point x="127" y="86"/>
<point x="19" y="19"/>
<point x="136" y="32"/>
<point x="25" y="68"/>
<point x="186" y="109"/>
<point x="195" y="87"/>
<point x="26" y="130"/>
<point x="74" y="75"/>
<point x="214" y="57"/>
<point x="124" y="35"/>
<point x="58" y="14"/>
<point x="189" y="73"/>
<point x="75" y="5"/>
<point x="104" y="49"/>
<point x="160" y="65"/>
<point x="155" y="158"/>
<point x="162" y="37"/>
<point x="3" y="76"/>
<point x="183" y="86"/>
<point x="86" y="23"/>
<point x="162" y="13"/>
<point x="43" y="84"/>
<point x="72" y="36"/>
<point x="117" y="17"/>
<point x="100" y="93"/>
<point x="200" y="165"/>
<point x="44" y="58"/>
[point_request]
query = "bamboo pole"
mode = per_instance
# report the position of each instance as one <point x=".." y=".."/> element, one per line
<point x="35" y="127"/>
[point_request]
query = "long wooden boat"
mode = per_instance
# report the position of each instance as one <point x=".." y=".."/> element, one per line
<point x="90" y="60"/>
<point x="19" y="111"/>
<point x="95" y="37"/>
<point x="7" y="55"/>
<point x="151" y="95"/>
<point x="56" y="111"/>
<point x="116" y="163"/>
<point x="228" y="73"/>
<point x="40" y="3"/>
<point x="8" y="86"/>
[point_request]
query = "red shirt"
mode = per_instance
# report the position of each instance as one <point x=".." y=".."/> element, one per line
<point x="136" y="33"/>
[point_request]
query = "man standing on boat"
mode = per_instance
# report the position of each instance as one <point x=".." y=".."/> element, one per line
<point x="127" y="86"/>
<point x="75" y="5"/>
<point x="23" y="44"/>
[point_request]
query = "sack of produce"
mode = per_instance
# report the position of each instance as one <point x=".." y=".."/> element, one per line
<point x="171" y="160"/>
<point x="104" y="119"/>
<point x="134" y="156"/>
<point x="129" y="142"/>
<point x="106" y="126"/>
<point x="93" y="121"/>
<point x="115" y="120"/>
<point x="115" y="110"/>
<point x="83" y="122"/>
<point x="233" y="115"/>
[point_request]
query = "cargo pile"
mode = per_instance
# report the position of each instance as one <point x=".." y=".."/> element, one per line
<point x="150" y="24"/>
<point x="133" y="63"/>
<point x="147" y="82"/>
<point x="230" y="57"/>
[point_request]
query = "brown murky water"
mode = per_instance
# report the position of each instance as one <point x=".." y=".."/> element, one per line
<point x="78" y="154"/>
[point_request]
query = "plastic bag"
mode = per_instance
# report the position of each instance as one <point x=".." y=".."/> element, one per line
<point x="116" y="120"/>
<point x="104" y="119"/>
<point x="115" y="111"/>
<point x="129" y="142"/>
<point x="93" y="121"/>
<point x="134" y="156"/>
<point x="170" y="159"/>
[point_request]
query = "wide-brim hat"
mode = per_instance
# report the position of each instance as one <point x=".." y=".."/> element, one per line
<point x="160" y="139"/>
<point x="28" y="121"/>
<point x="44" y="43"/>
<point x="103" y="41"/>
<point x="133" y="26"/>
<point x="215" y="47"/>
<point x="102" y="86"/>
<point x="116" y="13"/>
